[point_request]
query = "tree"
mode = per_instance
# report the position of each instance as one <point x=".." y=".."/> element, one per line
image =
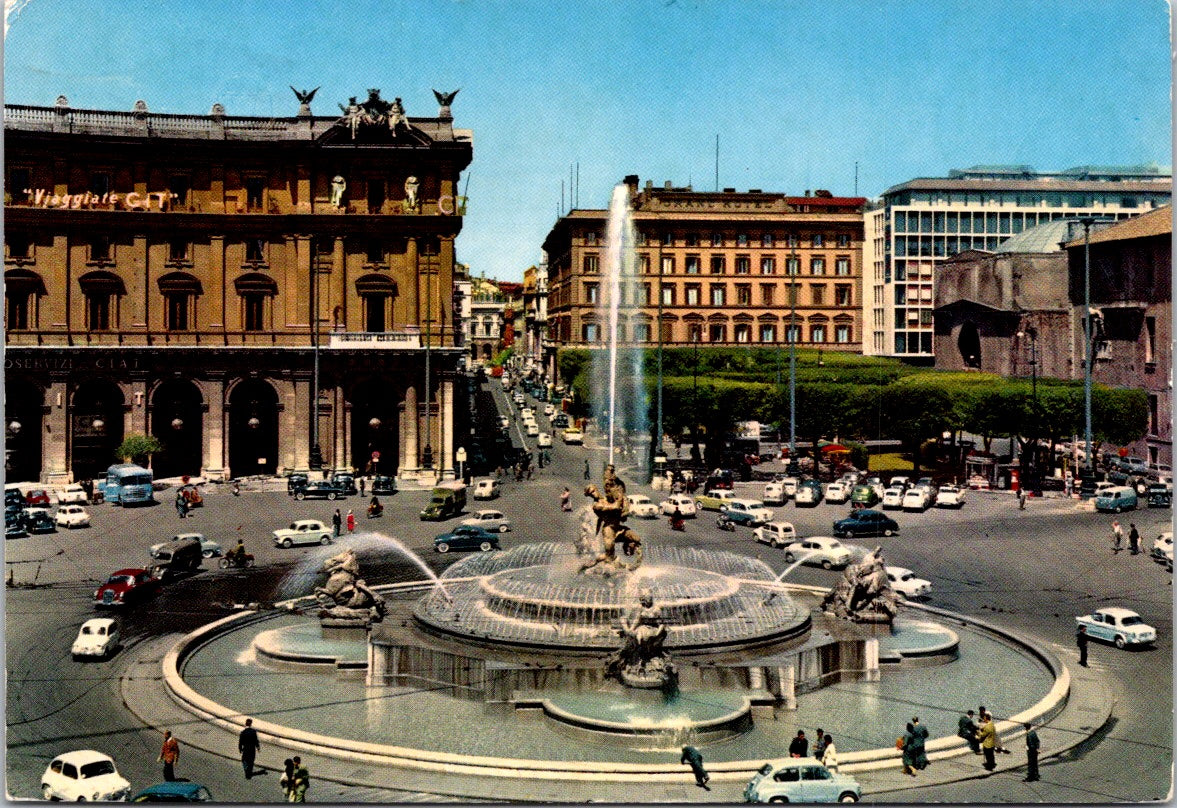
<point x="915" y="409"/>
<point x="137" y="447"/>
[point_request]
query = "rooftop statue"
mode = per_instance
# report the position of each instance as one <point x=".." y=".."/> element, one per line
<point x="443" y="102"/>
<point x="304" y="100"/>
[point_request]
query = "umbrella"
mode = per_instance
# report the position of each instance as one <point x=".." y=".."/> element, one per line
<point x="835" y="448"/>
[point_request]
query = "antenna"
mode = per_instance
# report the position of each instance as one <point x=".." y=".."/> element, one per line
<point x="856" y="178"/>
<point x="570" y="186"/>
<point x="561" y="197"/>
<point x="578" y="183"/>
<point x="717" y="163"/>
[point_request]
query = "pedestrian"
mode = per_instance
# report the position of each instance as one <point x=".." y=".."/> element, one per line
<point x="966" y="728"/>
<point x="530" y="469"/>
<point x="906" y="743"/>
<point x="1021" y="499"/>
<point x="351" y="521"/>
<point x="287" y="780"/>
<point x="168" y="755"/>
<point x="819" y="743"/>
<point x="587" y="475"/>
<point x="692" y="757"/>
<point x="247" y="745"/>
<point x="362" y="486"/>
<point x="566" y="500"/>
<point x="181" y="505"/>
<point x="337" y="522"/>
<point x="302" y="781"/>
<point x="1081" y="641"/>
<point x="1032" y="745"/>
<point x="829" y="756"/>
<point x="988" y="738"/>
<point x="1133" y="538"/>
<point x="799" y="747"/>
<point x="919" y="735"/>
<point x="1117" y="537"/>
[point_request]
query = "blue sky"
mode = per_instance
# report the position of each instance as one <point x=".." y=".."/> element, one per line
<point x="797" y="90"/>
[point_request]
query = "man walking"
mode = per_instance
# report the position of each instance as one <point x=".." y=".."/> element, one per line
<point x="1117" y="537"/>
<point x="988" y="737"/>
<point x="168" y="755"/>
<point x="1032" y="744"/>
<point x="337" y="522"/>
<point x="248" y="745"/>
<point x="799" y="748"/>
<point x="302" y="781"/>
<point x="920" y="733"/>
<point x="586" y="470"/>
<point x="1081" y="641"/>
<point x="1021" y="499"/>
<point x="1133" y="539"/>
<point x="819" y="745"/>
<point x="692" y="757"/>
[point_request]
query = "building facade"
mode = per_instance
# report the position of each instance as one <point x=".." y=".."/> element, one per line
<point x="486" y="320"/>
<point x="535" y="315"/>
<point x="722" y="268"/>
<point x="219" y="281"/>
<point x="920" y="223"/>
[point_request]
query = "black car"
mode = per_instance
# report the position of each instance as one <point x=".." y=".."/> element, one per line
<point x="560" y="420"/>
<point x="14" y="522"/>
<point x="39" y="521"/>
<point x="346" y="483"/>
<point x="383" y="485"/>
<point x="866" y="523"/>
<point x="719" y="480"/>
<point x="1160" y="495"/>
<point x="320" y="489"/>
<point x="13" y="496"/>
<point x="295" y="482"/>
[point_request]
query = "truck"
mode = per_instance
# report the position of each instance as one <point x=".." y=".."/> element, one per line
<point x="448" y="499"/>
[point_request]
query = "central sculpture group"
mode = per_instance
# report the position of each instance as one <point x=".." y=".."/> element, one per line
<point x="612" y="508"/>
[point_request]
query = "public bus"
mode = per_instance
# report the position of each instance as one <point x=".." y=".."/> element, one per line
<point x="128" y="484"/>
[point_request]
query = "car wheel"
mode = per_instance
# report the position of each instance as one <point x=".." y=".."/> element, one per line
<point x="790" y="557"/>
<point x="224" y="563"/>
<point x="207" y="554"/>
<point x="888" y="532"/>
<point x="774" y="544"/>
<point x="300" y="495"/>
<point x="331" y="495"/>
<point x="1120" y="643"/>
<point x="826" y="565"/>
<point x="848" y="797"/>
<point x="1119" y="509"/>
<point x="287" y="543"/>
<point x="486" y="547"/>
<point x="778" y="799"/>
<point x="324" y="539"/>
<point x="46" y="792"/>
<point x="442" y="548"/>
<point x="504" y="528"/>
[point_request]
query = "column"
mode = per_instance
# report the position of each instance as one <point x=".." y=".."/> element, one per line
<point x="213" y="460"/>
<point x="409" y="424"/>
<point x="788" y="678"/>
<point x="135" y="416"/>
<point x="287" y="424"/>
<point x="301" y="437"/>
<point x="414" y="277"/>
<point x="342" y="428"/>
<point x="54" y="438"/>
<point x="445" y="423"/>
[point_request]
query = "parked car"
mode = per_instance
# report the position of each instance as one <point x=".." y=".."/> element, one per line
<point x="642" y="506"/>
<point x="543" y="440"/>
<point x="467" y="537"/>
<point x="916" y="498"/>
<point x="789" y="484"/>
<point x="72" y="516"/>
<point x="98" y="637"/>
<point x="527" y="414"/>
<point x="304" y="531"/>
<point x="774" y="493"/>
<point x="72" y="494"/>
<point x="295" y="482"/>
<point x="531" y="428"/>
<point x="1117" y="499"/>
<point x="549" y="408"/>
<point x="866" y="523"/>
<point x="320" y="489"/>
<point x="714" y="500"/>
<point x="38" y="520"/>
<point x="492" y="521"/>
<point x="383" y="486"/>
<point x="14" y="524"/>
<point x="175" y="791"/>
<point x="37" y="496"/>
<point x="573" y="437"/>
<point x="819" y="550"/>
<point x="504" y="422"/>
<point x="84" y="776"/>
<point x="893" y="498"/>
<point x="345" y="482"/>
<point x="801" y="781"/>
<point x="487" y="489"/>
<point x="1120" y="627"/>
<point x="749" y="512"/>
<point x="837" y="492"/>
<point x="1159" y="495"/>
<point x="926" y="482"/>
<point x="208" y="547"/>
<point x="865" y="495"/>
<point x="775" y="534"/>
<point x="950" y="496"/>
<point x="809" y="492"/>
<point x="13" y="495"/>
<point x="904" y="582"/>
<point x="900" y="481"/>
<point x="680" y="502"/>
<point x="559" y="420"/>
<point x="1162" y="546"/>
<point x="719" y="479"/>
<point x="126" y="587"/>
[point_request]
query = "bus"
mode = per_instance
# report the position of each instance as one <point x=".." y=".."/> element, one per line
<point x="128" y="484"/>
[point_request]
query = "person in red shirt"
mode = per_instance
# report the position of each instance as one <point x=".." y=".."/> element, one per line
<point x="168" y="755"/>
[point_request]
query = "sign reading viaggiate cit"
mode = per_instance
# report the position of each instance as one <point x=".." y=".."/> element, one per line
<point x="153" y="200"/>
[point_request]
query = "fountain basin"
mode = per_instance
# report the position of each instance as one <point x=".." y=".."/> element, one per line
<point x="706" y="715"/>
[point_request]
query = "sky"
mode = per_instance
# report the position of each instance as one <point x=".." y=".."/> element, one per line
<point x="799" y="92"/>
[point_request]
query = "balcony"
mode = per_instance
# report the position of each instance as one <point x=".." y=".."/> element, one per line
<point x="375" y="340"/>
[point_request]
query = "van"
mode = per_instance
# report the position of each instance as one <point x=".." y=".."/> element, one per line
<point x="1117" y="499"/>
<point x="486" y="489"/>
<point x="774" y="493"/>
<point x="127" y="483"/>
<point x="178" y="557"/>
<point x="448" y="499"/>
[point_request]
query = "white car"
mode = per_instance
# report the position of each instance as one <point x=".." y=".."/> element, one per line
<point x="72" y="494"/>
<point x="504" y="422"/>
<point x="543" y="440"/>
<point x="838" y="492"/>
<point x="573" y="437"/>
<point x="98" y="637"/>
<point x="486" y="489"/>
<point x="774" y="493"/>
<point x="493" y="521"/>
<point x="84" y="776"/>
<point x="904" y="582"/>
<point x="684" y="504"/>
<point x="1162" y="546"/>
<point x="808" y="495"/>
<point x="825" y="551"/>
<point x="789" y="484"/>
<point x="900" y="481"/>
<point x="775" y="534"/>
<point x="950" y="496"/>
<point x="208" y="547"/>
<point x="916" y="499"/>
<point x="72" y="516"/>
<point x="1118" y="626"/>
<point x="642" y="506"/>
<point x="527" y="414"/>
<point x="531" y="428"/>
<point x="549" y="409"/>
<point x="304" y="531"/>
<point x="893" y="498"/>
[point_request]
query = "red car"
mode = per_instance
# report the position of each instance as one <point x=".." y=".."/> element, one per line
<point x="37" y="496"/>
<point x="126" y="587"/>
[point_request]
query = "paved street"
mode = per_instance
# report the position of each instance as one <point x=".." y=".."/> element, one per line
<point x="1031" y="570"/>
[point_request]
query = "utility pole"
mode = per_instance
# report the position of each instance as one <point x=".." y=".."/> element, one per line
<point x="1088" y="351"/>
<point x="658" y="428"/>
<point x="793" y="355"/>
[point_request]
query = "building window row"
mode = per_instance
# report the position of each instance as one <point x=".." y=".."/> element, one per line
<point x="717" y="265"/>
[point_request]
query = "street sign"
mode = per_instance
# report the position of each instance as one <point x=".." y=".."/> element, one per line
<point x="460" y="455"/>
<point x="375" y="457"/>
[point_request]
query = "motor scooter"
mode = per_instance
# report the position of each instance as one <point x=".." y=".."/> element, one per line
<point x="375" y="510"/>
<point x="725" y="523"/>
<point x="234" y="561"/>
<point x="677" y="522"/>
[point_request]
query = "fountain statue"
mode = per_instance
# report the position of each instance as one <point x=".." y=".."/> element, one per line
<point x="642" y="661"/>
<point x="864" y="594"/>
<point x="612" y="507"/>
<point x="346" y="597"/>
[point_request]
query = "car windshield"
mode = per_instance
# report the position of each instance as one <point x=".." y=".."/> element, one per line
<point x="1134" y="620"/>
<point x="97" y="768"/>
<point x="123" y="580"/>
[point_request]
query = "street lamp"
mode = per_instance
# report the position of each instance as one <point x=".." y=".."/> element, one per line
<point x="1087" y="487"/>
<point x="1032" y="332"/>
<point x="794" y="267"/>
<point x="695" y="395"/>
<point x="14" y="426"/>
<point x="315" y="461"/>
<point x="658" y="429"/>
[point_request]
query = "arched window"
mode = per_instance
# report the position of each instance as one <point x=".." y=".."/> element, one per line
<point x="179" y="290"/>
<point x="256" y="291"/>
<point x="102" y="291"/>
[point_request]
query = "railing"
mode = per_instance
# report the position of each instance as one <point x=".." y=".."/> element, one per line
<point x="111" y="122"/>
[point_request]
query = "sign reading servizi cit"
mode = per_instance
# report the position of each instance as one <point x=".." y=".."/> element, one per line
<point x="153" y="200"/>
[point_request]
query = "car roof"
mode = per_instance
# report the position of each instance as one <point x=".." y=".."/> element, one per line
<point x="129" y="571"/>
<point x="754" y="502"/>
<point x="80" y="757"/>
<point x="822" y="539"/>
<point x="1118" y="611"/>
<point x="307" y="522"/>
<point x="99" y="621"/>
<point x="899" y="572"/>
<point x="175" y="787"/>
<point x="179" y="536"/>
<point x="789" y="525"/>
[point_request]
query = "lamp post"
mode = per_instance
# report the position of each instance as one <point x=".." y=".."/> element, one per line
<point x="794" y="265"/>
<point x="658" y="429"/>
<point x="1032" y="332"/>
<point x="1087" y="485"/>
<point x="315" y="461"/>
<point x="695" y="396"/>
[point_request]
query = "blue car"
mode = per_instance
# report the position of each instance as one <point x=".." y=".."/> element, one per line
<point x="174" y="791"/>
<point x="797" y="781"/>
<point x="866" y="523"/>
<point x="467" y="537"/>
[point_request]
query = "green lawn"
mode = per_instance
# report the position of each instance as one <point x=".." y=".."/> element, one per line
<point x="891" y="461"/>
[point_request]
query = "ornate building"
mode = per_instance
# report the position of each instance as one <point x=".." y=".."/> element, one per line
<point x="721" y="268"/>
<point x="241" y="288"/>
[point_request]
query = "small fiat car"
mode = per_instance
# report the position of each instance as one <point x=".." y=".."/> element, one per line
<point x="801" y="781"/>
<point x="304" y="531"/>
<point x="749" y="512"/>
<point x="681" y="502"/>
<point x="84" y="776"/>
<point x="715" y="500"/>
<point x="904" y="582"/>
<point x="1121" y="627"/>
<point x="642" y="507"/>
<point x="775" y="534"/>
<point x="127" y="586"/>
<point x="822" y="551"/>
<point x="97" y="638"/>
<point x="491" y="521"/>
<point x="72" y="516"/>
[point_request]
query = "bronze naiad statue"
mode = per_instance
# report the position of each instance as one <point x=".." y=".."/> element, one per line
<point x="612" y="508"/>
<point x="864" y="594"/>
<point x="642" y="661"/>
<point x="346" y="596"/>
